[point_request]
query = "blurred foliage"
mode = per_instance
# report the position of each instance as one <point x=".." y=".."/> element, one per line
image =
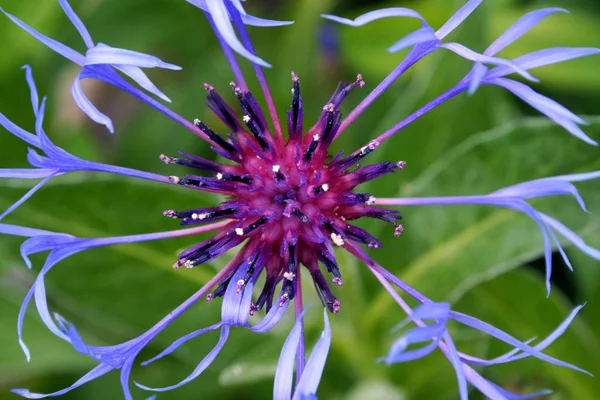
<point x="466" y="254"/>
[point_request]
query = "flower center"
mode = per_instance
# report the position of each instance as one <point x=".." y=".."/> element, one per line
<point x="288" y="203"/>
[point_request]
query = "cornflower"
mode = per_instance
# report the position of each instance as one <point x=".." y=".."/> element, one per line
<point x="288" y="203"/>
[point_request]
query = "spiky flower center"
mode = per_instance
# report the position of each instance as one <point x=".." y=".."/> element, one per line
<point x="288" y="203"/>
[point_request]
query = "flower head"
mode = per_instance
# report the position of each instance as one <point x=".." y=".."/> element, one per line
<point x="289" y="202"/>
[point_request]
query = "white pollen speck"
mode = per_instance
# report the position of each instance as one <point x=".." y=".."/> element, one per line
<point x="289" y="275"/>
<point x="316" y="137"/>
<point x="276" y="168"/>
<point x="196" y="121"/>
<point x="175" y="179"/>
<point x="219" y="176"/>
<point x="195" y="216"/>
<point x="246" y="118"/>
<point x="202" y="216"/>
<point x="371" y="200"/>
<point x="337" y="239"/>
<point x="188" y="264"/>
<point x="325" y="187"/>
<point x="292" y="90"/>
<point x="241" y="282"/>
<point x="239" y="231"/>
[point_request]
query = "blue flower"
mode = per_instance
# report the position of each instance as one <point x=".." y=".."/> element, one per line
<point x="437" y="336"/>
<point x="220" y="18"/>
<point x="56" y="161"/>
<point x="289" y="204"/>
<point x="99" y="60"/>
<point x="309" y="375"/>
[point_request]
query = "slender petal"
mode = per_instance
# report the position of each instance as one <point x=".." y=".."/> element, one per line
<point x="519" y="28"/>
<point x="309" y="381"/>
<point x="88" y="108"/>
<point x="77" y="23"/>
<point x="95" y="373"/>
<point x="457" y="18"/>
<point x="284" y="374"/>
<point x="200" y="368"/>
<point x="60" y="48"/>
<point x="375" y="15"/>
<point x="546" y="106"/>
<point x="103" y="54"/>
<point x="26" y="196"/>
<point x="423" y="35"/>
<point x="218" y="12"/>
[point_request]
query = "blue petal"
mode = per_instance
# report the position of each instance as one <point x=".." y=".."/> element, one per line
<point x="469" y="54"/>
<point x="458" y="366"/>
<point x="431" y="310"/>
<point x="95" y="373"/>
<point x="458" y="18"/>
<point x="519" y="28"/>
<point x="423" y="35"/>
<point x="271" y="319"/>
<point x="541" y="188"/>
<point x="571" y="237"/>
<point x="375" y="15"/>
<point x="236" y="309"/>
<point x="309" y="381"/>
<point x="88" y="108"/>
<point x="220" y="16"/>
<point x="19" y="132"/>
<point x="503" y="336"/>
<point x="26" y="196"/>
<point x="255" y="21"/>
<point x="85" y="35"/>
<point x="124" y="377"/>
<point x="284" y="374"/>
<point x="60" y="48"/>
<point x="246" y="18"/>
<point x="22" y="231"/>
<point x="545" y="105"/>
<point x="483" y="385"/>
<point x="27" y="173"/>
<point x="176" y="344"/>
<point x="200" y="368"/>
<point x="477" y="74"/>
<point x="141" y="79"/>
<point x="35" y="101"/>
<point x="103" y="54"/>
<point x="545" y="57"/>
<point x="411" y="355"/>
<point x="76" y="340"/>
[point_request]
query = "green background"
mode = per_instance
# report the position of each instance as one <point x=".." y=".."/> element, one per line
<point x="484" y="260"/>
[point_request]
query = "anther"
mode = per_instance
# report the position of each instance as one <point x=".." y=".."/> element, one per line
<point x="289" y="276"/>
<point x="401" y="164"/>
<point x="399" y="229"/>
<point x="218" y="139"/>
<point x="170" y="213"/>
<point x="175" y="179"/>
<point x="336" y="306"/>
<point x="310" y="149"/>
<point x="337" y="239"/>
<point x="240" y="285"/>
<point x="239" y="231"/>
<point x="165" y="159"/>
<point x="278" y="174"/>
<point x="338" y="281"/>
